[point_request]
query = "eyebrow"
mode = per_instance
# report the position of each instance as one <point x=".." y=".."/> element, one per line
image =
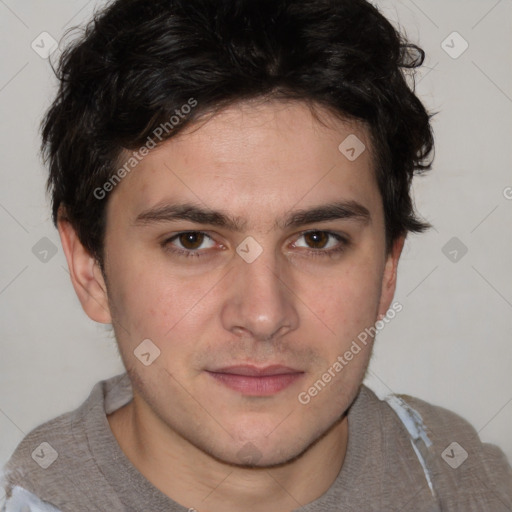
<point x="346" y="210"/>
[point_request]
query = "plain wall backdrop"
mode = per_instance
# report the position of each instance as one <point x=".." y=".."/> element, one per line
<point x="450" y="345"/>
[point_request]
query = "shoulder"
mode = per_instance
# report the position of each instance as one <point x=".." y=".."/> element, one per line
<point x="42" y="447"/>
<point x="446" y="428"/>
<point x="36" y="466"/>
<point x="54" y="460"/>
<point x="468" y="474"/>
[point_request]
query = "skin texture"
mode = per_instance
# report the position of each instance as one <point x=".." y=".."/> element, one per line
<point x="293" y="305"/>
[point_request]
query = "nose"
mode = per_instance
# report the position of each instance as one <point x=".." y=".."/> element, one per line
<point x="260" y="303"/>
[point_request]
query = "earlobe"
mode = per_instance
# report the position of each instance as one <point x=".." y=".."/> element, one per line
<point x="390" y="276"/>
<point x="86" y="275"/>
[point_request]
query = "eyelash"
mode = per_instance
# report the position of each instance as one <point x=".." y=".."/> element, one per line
<point x="196" y="253"/>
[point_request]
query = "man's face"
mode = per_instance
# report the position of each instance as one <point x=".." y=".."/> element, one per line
<point x="247" y="319"/>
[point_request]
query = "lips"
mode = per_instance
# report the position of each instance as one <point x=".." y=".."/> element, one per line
<point x="253" y="381"/>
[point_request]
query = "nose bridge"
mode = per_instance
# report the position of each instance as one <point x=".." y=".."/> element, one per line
<point x="259" y="300"/>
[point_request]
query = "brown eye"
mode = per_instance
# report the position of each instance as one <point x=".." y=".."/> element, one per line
<point x="192" y="240"/>
<point x="316" y="239"/>
<point x="190" y="244"/>
<point x="322" y="243"/>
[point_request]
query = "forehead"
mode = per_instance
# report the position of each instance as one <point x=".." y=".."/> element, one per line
<point x="255" y="159"/>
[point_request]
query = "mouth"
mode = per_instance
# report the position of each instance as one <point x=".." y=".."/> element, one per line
<point x="253" y="381"/>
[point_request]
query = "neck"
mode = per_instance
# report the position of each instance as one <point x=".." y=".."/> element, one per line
<point x="197" y="481"/>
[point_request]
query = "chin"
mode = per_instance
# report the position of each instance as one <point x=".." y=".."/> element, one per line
<point x="250" y="455"/>
<point x="255" y="448"/>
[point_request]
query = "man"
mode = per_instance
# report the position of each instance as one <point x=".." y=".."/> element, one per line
<point x="231" y="182"/>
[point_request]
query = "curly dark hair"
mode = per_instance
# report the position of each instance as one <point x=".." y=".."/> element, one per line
<point x="138" y="62"/>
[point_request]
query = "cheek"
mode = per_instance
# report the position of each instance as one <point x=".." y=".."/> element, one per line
<point x="348" y="301"/>
<point x="151" y="301"/>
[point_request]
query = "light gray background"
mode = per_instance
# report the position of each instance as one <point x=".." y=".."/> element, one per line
<point x="452" y="343"/>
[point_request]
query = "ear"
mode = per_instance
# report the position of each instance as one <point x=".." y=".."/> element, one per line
<point x="85" y="273"/>
<point x="390" y="276"/>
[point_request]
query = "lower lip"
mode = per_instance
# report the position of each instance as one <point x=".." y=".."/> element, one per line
<point x="263" y="385"/>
